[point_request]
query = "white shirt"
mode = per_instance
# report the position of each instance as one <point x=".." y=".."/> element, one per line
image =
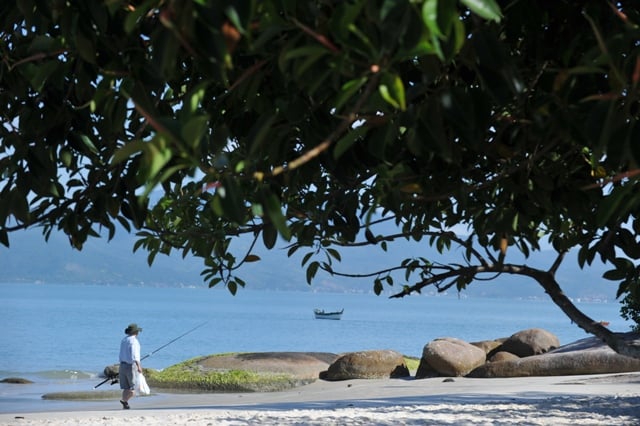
<point x="130" y="350"/>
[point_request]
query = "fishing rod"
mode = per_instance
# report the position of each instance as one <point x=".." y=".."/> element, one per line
<point x="115" y="379"/>
<point x="177" y="338"/>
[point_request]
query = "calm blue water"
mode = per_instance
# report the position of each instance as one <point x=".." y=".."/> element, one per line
<point x="59" y="331"/>
<point x="62" y="336"/>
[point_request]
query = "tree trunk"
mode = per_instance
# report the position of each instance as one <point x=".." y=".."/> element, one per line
<point x="613" y="340"/>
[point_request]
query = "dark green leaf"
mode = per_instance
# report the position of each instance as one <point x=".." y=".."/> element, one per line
<point x="334" y="253"/>
<point x="232" y="200"/>
<point x="194" y="130"/>
<point x="232" y="286"/>
<point x="269" y="236"/>
<point x="19" y="207"/>
<point x="348" y="90"/>
<point x="85" y="47"/>
<point x="274" y="212"/>
<point x="378" y="287"/>
<point x="306" y="258"/>
<point x="312" y="269"/>
<point x="347" y="141"/>
<point x="614" y="275"/>
<point x="214" y="281"/>
<point x="39" y="75"/>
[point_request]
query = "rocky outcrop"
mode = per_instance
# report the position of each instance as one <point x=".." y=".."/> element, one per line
<point x="376" y="364"/>
<point x="532" y="352"/>
<point x="442" y="357"/>
<point x="16" y="381"/>
<point x="530" y="342"/>
<point x="302" y="365"/>
<point x="242" y="372"/>
<point x="586" y="356"/>
<point x="451" y="357"/>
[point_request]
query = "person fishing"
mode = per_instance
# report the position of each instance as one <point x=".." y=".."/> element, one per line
<point x="130" y="366"/>
<point x="130" y="374"/>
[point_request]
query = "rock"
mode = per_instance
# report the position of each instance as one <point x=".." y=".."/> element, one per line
<point x="586" y="356"/>
<point x="490" y="346"/>
<point x="595" y="344"/>
<point x="376" y="364"/>
<point x="242" y="372"/>
<point x="425" y="371"/>
<point x="302" y="365"/>
<point x="503" y="356"/>
<point x="16" y="381"/>
<point x="111" y="371"/>
<point x="533" y="341"/>
<point x="452" y="357"/>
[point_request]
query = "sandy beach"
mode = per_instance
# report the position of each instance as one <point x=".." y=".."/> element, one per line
<point x="571" y="400"/>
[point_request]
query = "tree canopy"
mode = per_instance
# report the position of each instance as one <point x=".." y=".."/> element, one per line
<point x="314" y="122"/>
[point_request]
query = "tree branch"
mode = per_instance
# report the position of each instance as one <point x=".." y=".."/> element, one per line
<point x="557" y="262"/>
<point x="551" y="287"/>
<point x="367" y="275"/>
<point x="547" y="281"/>
<point x="33" y="58"/>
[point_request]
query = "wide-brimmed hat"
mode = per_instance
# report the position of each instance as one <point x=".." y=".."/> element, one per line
<point x="132" y="329"/>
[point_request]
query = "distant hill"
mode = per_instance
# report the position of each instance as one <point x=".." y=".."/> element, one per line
<point x="30" y="259"/>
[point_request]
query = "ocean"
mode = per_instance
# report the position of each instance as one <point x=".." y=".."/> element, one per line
<point x="61" y="334"/>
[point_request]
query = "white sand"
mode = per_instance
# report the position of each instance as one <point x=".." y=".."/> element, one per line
<point x="575" y="400"/>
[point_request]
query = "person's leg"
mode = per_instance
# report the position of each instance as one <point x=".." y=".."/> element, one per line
<point x="127" y="394"/>
<point x="127" y="384"/>
<point x="125" y="404"/>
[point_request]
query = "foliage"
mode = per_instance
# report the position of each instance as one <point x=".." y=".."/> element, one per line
<point x="412" y="363"/>
<point x="316" y="122"/>
<point x="631" y="308"/>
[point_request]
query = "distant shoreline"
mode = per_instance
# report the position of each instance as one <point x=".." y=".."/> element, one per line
<point x="113" y="262"/>
<point x="463" y="295"/>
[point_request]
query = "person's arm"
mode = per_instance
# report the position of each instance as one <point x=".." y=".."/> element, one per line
<point x="136" y="355"/>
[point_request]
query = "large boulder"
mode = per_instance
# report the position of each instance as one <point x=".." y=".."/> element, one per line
<point x="586" y="356"/>
<point x="502" y="356"/>
<point x="490" y="346"/>
<point x="451" y="357"/>
<point x="375" y="364"/>
<point x="533" y="341"/>
<point x="426" y="371"/>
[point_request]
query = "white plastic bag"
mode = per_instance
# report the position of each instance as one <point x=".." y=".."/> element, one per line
<point x="143" y="387"/>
